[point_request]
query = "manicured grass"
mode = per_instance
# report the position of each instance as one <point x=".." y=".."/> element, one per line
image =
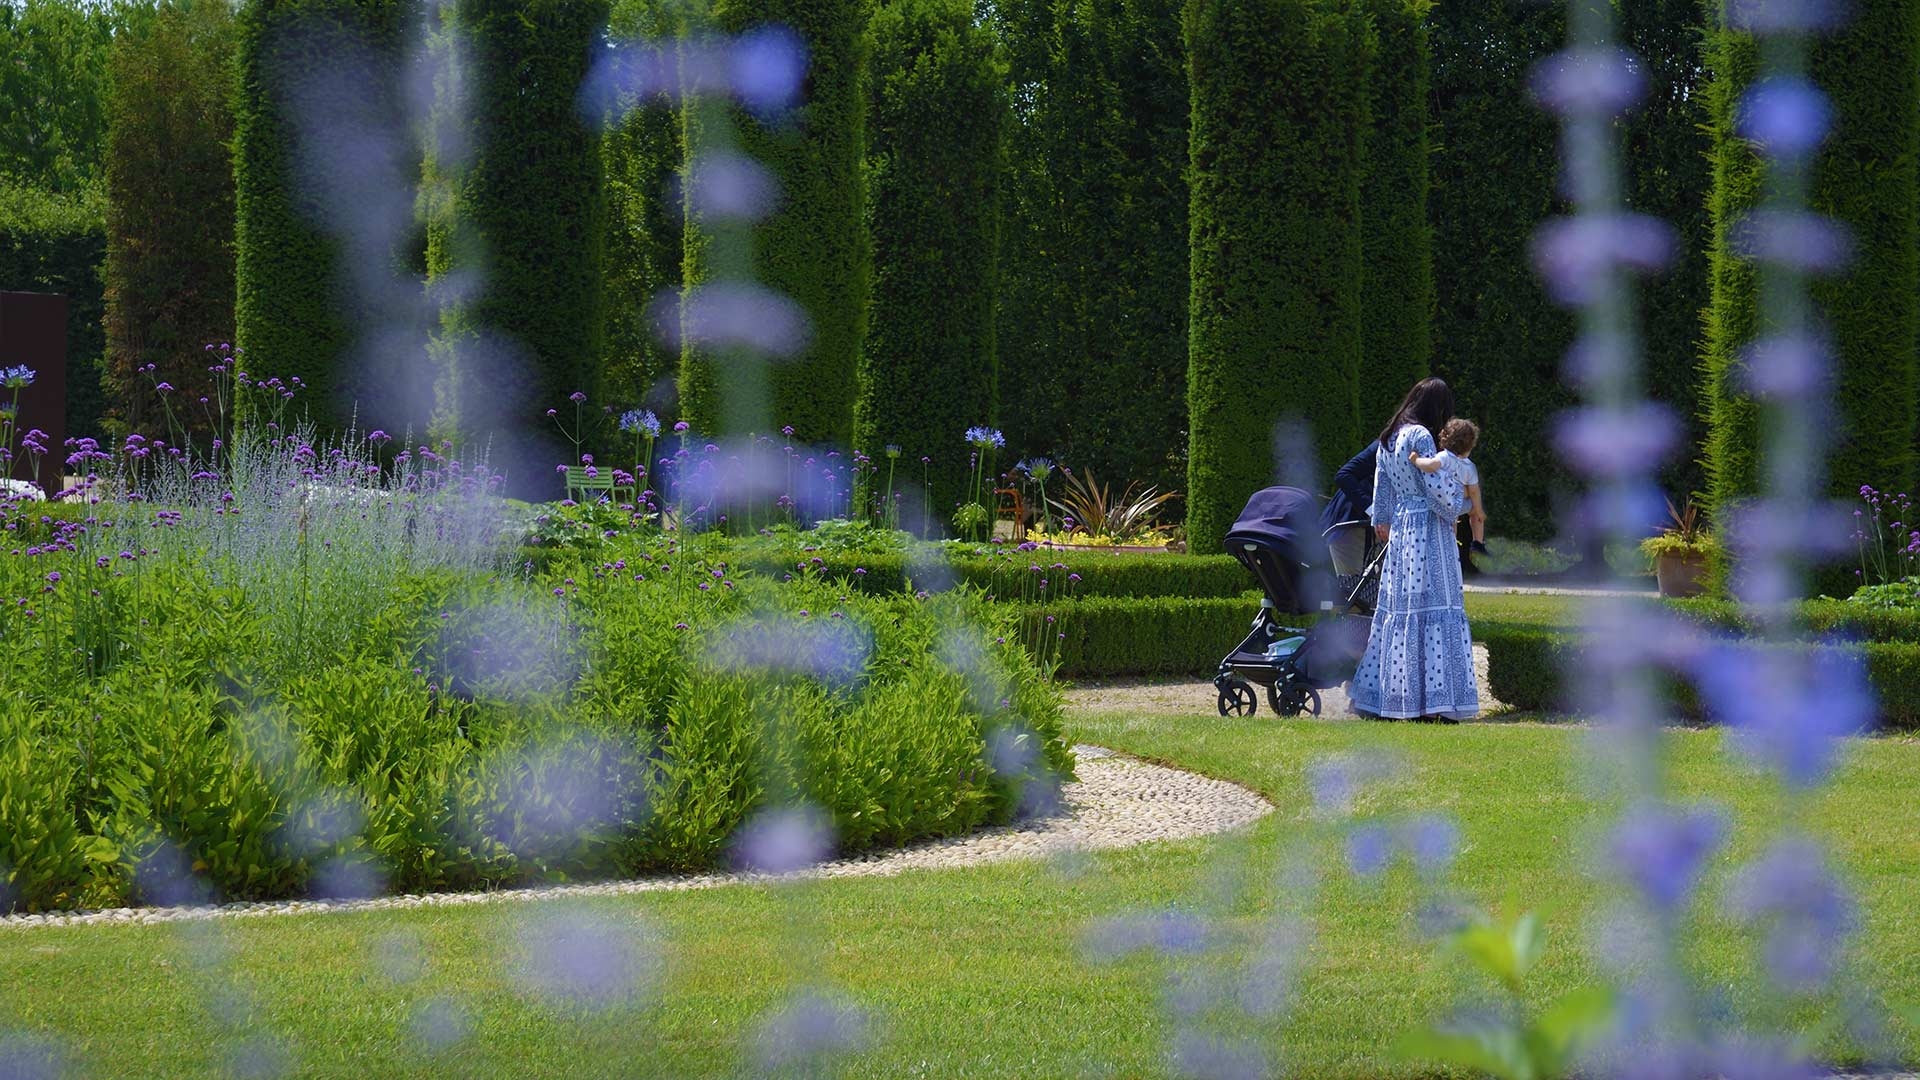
<point x="984" y="972"/>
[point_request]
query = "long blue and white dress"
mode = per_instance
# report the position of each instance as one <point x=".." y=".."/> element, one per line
<point x="1419" y="659"/>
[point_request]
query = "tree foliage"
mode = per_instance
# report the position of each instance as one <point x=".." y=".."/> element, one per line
<point x="53" y="82"/>
<point x="1278" y="93"/>
<point x="936" y="131"/>
<point x="169" y="185"/>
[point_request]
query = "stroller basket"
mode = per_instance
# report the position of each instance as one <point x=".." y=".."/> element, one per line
<point x="1300" y="571"/>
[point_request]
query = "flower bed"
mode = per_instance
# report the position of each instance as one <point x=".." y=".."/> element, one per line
<point x="264" y="691"/>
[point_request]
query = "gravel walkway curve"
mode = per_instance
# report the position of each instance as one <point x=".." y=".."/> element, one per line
<point x="1117" y="802"/>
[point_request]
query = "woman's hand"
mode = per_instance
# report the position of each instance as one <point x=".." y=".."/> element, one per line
<point x="1380" y="531"/>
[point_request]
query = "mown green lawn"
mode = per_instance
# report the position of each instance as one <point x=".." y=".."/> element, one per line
<point x="982" y="972"/>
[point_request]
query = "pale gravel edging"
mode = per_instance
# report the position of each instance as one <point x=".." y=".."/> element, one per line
<point x="1117" y="802"/>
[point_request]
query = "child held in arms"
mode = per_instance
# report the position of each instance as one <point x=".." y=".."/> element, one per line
<point x="1457" y="441"/>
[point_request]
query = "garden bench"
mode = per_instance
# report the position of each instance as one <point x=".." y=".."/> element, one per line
<point x="601" y="480"/>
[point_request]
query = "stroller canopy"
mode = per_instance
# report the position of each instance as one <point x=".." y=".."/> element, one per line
<point x="1284" y="520"/>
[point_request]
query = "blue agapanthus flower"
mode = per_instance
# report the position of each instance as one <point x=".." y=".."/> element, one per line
<point x="985" y="438"/>
<point x="1037" y="467"/>
<point x="640" y="421"/>
<point x="16" y="377"/>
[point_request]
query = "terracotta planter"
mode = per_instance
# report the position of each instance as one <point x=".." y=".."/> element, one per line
<point x="1681" y="573"/>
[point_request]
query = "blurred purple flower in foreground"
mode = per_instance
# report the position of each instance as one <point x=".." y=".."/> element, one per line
<point x="589" y="959"/>
<point x="784" y="840"/>
<point x="728" y="184"/>
<point x="1787" y="705"/>
<point x="1806" y="912"/>
<point x="1369" y="847"/>
<point x="733" y="314"/>
<point x="1785" y="16"/>
<point x="1662" y="851"/>
<point x="1786" y="116"/>
<point x="1589" y="81"/>
<point x="1574" y="255"/>
<point x="1793" y="238"/>
<point x="809" y="1027"/>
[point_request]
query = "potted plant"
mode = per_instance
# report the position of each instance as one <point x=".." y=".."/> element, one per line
<point x="1680" y="553"/>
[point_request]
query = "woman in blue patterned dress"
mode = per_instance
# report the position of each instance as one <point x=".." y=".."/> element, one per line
<point x="1419" y="659"/>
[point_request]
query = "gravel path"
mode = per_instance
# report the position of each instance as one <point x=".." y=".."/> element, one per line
<point x="1117" y="802"/>
<point x="1196" y="697"/>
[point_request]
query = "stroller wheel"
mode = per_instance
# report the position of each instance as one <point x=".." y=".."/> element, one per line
<point x="1238" y="699"/>
<point x="1293" y="700"/>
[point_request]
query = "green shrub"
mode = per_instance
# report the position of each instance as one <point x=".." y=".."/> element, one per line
<point x="1010" y="575"/>
<point x="936" y="128"/>
<point x="463" y="729"/>
<point x="1275" y="332"/>
<point x="43" y="853"/>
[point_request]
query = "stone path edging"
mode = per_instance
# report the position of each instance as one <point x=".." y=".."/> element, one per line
<point x="1117" y="802"/>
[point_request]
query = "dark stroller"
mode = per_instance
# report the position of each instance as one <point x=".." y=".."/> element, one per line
<point x="1278" y="539"/>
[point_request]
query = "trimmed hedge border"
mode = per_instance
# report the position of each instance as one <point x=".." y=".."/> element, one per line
<point x="1526" y="666"/>
<point x="1108" y="636"/>
<point x="1012" y="577"/>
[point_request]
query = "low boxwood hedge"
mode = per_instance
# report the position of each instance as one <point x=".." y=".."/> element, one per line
<point x="1820" y="618"/>
<point x="1016" y="575"/>
<point x="1527" y="668"/>
<point x="1107" y="636"/>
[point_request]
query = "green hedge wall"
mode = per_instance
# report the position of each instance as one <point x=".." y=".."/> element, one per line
<point x="169" y="179"/>
<point x="1497" y="338"/>
<point x="293" y="314"/>
<point x="1093" y="297"/>
<point x="51" y="243"/>
<point x="530" y="209"/>
<point x="1668" y="175"/>
<point x="1867" y="176"/>
<point x="1275" y="326"/>
<point x="1397" y="243"/>
<point x="936" y="129"/>
<point x="813" y="247"/>
<point x="643" y="156"/>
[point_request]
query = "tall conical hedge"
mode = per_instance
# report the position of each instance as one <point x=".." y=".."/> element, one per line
<point x="527" y="209"/>
<point x="813" y="246"/>
<point x="1867" y="176"/>
<point x="1397" y="266"/>
<point x="936" y="133"/>
<point x="294" y="312"/>
<point x="643" y="155"/>
<point x="1278" y="94"/>
<point x="169" y="179"/>
<point x="1094" y="293"/>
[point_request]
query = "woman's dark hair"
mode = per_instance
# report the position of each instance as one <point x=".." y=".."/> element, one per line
<point x="1429" y="404"/>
